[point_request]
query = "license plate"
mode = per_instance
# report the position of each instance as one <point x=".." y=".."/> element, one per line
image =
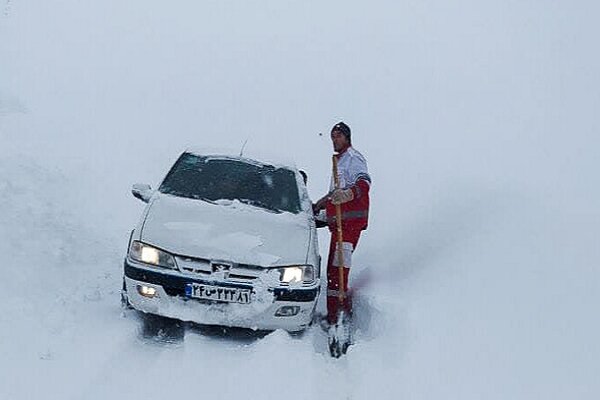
<point x="218" y="293"/>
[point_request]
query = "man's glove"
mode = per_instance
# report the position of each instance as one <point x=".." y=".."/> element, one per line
<point x="319" y="205"/>
<point x="315" y="209"/>
<point x="341" y="196"/>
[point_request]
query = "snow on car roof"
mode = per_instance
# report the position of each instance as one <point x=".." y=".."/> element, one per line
<point x="263" y="157"/>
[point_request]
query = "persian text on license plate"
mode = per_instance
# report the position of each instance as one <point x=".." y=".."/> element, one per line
<point x="218" y="293"/>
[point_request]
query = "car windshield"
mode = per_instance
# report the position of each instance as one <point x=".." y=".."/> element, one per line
<point x="216" y="178"/>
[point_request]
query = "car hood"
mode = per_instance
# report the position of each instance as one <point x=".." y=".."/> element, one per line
<point x="227" y="231"/>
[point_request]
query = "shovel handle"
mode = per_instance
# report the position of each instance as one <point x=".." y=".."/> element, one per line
<point x="340" y="238"/>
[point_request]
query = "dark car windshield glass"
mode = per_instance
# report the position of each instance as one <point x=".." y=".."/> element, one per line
<point x="212" y="179"/>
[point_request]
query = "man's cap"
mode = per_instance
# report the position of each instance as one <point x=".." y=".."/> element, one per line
<point x="342" y="128"/>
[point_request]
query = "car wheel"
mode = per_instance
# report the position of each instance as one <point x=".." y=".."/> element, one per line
<point x="299" y="332"/>
<point x="162" y="329"/>
<point x="124" y="298"/>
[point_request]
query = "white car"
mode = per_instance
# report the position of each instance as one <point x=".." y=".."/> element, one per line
<point x="225" y="240"/>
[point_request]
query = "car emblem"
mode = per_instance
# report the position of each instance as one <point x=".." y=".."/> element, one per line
<point x="220" y="269"/>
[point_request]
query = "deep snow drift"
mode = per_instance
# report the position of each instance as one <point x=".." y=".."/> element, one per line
<point x="479" y="123"/>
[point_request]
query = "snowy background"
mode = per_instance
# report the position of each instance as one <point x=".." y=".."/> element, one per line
<point x="480" y="123"/>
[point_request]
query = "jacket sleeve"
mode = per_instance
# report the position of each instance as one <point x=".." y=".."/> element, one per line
<point x="361" y="188"/>
<point x="360" y="180"/>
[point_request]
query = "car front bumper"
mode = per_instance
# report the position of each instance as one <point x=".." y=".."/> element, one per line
<point x="170" y="300"/>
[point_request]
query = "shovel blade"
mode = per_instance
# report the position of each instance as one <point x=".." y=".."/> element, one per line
<point x="340" y="336"/>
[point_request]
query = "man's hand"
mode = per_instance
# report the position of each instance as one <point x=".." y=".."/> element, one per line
<point x="341" y="196"/>
<point x="315" y="208"/>
<point x="320" y="205"/>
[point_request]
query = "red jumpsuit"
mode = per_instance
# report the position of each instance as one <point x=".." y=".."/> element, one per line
<point x="353" y="174"/>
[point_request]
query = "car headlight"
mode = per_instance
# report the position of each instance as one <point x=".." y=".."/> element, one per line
<point x="150" y="255"/>
<point x="297" y="274"/>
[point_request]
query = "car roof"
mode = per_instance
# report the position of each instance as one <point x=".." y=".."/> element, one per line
<point x="252" y="157"/>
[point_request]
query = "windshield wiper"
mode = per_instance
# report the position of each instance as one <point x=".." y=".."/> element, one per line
<point x="205" y="199"/>
<point x="260" y="204"/>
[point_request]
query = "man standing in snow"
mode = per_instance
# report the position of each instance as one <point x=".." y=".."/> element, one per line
<point x="353" y="198"/>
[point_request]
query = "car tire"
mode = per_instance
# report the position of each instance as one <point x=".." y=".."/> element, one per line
<point x="162" y="329"/>
<point x="298" y="333"/>
<point x="125" y="304"/>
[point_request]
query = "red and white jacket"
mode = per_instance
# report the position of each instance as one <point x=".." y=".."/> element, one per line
<point x="353" y="174"/>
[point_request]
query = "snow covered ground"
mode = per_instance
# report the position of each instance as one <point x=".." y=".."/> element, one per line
<point x="479" y="120"/>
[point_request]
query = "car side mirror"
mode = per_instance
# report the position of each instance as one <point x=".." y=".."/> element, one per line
<point x="142" y="191"/>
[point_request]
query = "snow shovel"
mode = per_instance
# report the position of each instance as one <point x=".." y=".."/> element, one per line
<point x="339" y="334"/>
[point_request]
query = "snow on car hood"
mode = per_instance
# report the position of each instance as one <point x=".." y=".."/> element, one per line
<point x="229" y="230"/>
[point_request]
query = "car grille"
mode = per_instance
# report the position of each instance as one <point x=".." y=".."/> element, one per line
<point x="243" y="273"/>
<point x="174" y="284"/>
